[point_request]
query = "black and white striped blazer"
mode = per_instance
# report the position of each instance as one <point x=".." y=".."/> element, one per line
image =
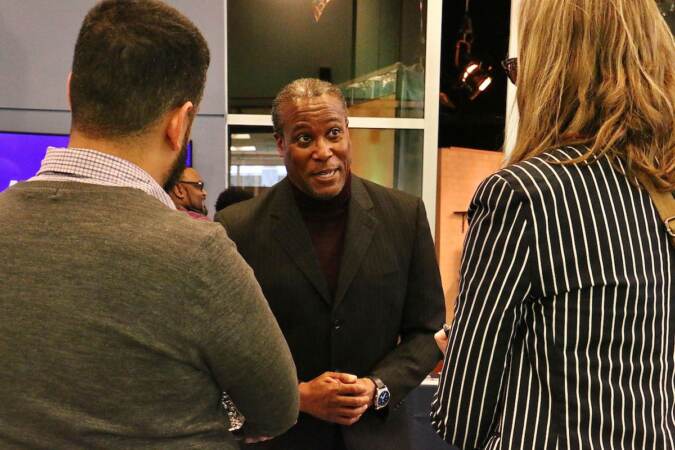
<point x="564" y="335"/>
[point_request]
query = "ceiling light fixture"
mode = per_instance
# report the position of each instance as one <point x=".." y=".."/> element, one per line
<point x="317" y="8"/>
<point x="475" y="77"/>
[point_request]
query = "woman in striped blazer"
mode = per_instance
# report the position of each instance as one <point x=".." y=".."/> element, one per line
<point x="564" y="333"/>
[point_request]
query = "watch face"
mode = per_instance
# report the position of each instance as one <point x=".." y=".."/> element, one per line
<point x="383" y="398"/>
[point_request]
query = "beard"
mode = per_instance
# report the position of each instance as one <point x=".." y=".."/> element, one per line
<point x="203" y="210"/>
<point x="177" y="168"/>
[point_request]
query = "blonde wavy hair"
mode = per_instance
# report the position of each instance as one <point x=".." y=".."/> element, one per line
<point x="598" y="73"/>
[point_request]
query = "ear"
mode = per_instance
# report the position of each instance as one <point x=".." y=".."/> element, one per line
<point x="279" y="139"/>
<point x="178" y="191"/>
<point x="70" y="77"/>
<point x="178" y="125"/>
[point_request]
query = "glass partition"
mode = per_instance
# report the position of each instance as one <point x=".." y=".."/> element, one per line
<point x="373" y="49"/>
<point x="383" y="54"/>
<point x="389" y="157"/>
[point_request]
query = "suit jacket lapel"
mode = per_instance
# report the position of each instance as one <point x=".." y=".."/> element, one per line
<point x="291" y="233"/>
<point x="360" y="231"/>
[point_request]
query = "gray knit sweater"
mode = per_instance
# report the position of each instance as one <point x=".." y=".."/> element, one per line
<point x="121" y="321"/>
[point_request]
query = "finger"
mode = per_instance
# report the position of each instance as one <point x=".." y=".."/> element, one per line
<point x="354" y="412"/>
<point x="332" y="376"/>
<point x="346" y="412"/>
<point x="255" y="439"/>
<point x="347" y="420"/>
<point x="352" y="401"/>
<point x="347" y="401"/>
<point x="335" y="411"/>
<point x="341" y="419"/>
<point x="352" y="389"/>
<point x="441" y="340"/>
<point x="349" y="412"/>
<point x="345" y="377"/>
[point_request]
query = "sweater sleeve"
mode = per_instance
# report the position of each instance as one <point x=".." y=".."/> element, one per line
<point x="494" y="283"/>
<point x="241" y="341"/>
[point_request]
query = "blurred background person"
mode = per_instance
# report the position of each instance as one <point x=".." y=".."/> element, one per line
<point x="230" y="196"/>
<point x="564" y="332"/>
<point x="189" y="194"/>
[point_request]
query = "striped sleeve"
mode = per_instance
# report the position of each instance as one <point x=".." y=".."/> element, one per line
<point x="494" y="284"/>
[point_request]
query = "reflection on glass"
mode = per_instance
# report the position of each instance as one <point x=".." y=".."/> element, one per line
<point x="392" y="158"/>
<point x="667" y="8"/>
<point x="255" y="164"/>
<point x="249" y="176"/>
<point x="395" y="91"/>
<point x="373" y="49"/>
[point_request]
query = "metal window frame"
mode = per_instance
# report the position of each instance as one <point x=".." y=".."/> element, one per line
<point x="429" y="124"/>
<point x="512" y="114"/>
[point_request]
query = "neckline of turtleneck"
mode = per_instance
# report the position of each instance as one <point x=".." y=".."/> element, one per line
<point x="312" y="205"/>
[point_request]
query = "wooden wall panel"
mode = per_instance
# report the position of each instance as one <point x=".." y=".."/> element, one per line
<point x="460" y="171"/>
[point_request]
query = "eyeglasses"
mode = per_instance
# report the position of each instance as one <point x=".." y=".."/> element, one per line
<point x="198" y="184"/>
<point x="510" y="66"/>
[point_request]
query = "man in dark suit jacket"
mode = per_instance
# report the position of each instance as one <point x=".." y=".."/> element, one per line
<point x="349" y="270"/>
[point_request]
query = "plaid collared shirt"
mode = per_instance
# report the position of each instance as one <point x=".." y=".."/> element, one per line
<point x="90" y="166"/>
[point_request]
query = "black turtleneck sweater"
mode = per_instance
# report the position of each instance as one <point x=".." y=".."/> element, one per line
<point x="326" y="221"/>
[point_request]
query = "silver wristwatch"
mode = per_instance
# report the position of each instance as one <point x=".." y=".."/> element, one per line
<point x="382" y="394"/>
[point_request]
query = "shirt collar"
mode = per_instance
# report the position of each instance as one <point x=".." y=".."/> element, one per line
<point x="94" y="167"/>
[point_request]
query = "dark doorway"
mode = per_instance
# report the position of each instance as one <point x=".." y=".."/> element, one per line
<point x="477" y="123"/>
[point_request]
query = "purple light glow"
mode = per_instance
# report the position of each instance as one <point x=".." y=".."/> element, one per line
<point x="22" y="153"/>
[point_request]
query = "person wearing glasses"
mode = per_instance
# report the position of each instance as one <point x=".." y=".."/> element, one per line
<point x="122" y="320"/>
<point x="564" y="333"/>
<point x="189" y="194"/>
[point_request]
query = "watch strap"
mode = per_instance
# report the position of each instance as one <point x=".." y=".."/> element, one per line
<point x="378" y="383"/>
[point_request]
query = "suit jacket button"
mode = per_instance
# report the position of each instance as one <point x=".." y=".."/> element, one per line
<point x="337" y="324"/>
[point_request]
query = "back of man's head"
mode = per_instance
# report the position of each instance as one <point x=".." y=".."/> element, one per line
<point x="230" y="196"/>
<point x="134" y="61"/>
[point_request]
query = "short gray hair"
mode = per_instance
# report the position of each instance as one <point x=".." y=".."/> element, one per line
<point x="302" y="88"/>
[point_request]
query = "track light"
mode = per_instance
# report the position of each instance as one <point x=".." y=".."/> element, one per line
<point x="475" y="78"/>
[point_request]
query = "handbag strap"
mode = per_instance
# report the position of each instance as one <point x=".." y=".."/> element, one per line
<point x="664" y="203"/>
